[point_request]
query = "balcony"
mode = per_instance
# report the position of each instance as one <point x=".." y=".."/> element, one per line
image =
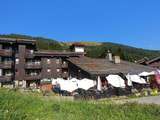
<point x="33" y="65"/>
<point x="6" y="64"/>
<point x="33" y="77"/>
<point x="4" y="52"/>
<point x="5" y="78"/>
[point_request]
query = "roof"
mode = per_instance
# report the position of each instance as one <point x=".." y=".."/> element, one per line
<point x="103" y="66"/>
<point x="143" y="60"/>
<point x="49" y="53"/>
<point x="78" y="44"/>
<point x="153" y="60"/>
<point x="17" y="40"/>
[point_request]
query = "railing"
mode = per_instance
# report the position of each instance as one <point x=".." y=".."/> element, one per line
<point x="4" y="52"/>
<point x="33" y="65"/>
<point x="7" y="64"/>
<point x="33" y="77"/>
<point x="5" y="78"/>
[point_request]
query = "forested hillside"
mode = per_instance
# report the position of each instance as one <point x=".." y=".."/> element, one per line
<point x="42" y="43"/>
<point x="126" y="52"/>
<point x="96" y="50"/>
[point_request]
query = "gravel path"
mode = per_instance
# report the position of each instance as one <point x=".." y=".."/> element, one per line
<point x="146" y="100"/>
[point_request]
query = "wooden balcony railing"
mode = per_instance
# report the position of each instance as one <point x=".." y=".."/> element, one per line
<point x="5" y="78"/>
<point x="33" y="65"/>
<point x="4" y="52"/>
<point x="33" y="77"/>
<point x="7" y="64"/>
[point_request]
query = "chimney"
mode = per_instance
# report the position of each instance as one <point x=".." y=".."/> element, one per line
<point x="109" y="56"/>
<point x="78" y="47"/>
<point x="117" y="59"/>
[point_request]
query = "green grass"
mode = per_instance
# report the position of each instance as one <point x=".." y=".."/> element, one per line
<point x="20" y="106"/>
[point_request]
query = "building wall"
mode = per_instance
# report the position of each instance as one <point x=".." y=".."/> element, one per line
<point x="20" y="67"/>
<point x="6" y="62"/>
<point x="24" y="73"/>
<point x="50" y="66"/>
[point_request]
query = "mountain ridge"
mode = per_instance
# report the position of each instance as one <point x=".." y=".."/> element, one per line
<point x="93" y="49"/>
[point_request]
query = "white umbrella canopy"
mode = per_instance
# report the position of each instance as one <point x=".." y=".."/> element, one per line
<point x="74" y="83"/>
<point x="73" y="79"/>
<point x="54" y="81"/>
<point x="146" y="73"/>
<point x="69" y="86"/>
<point x="136" y="78"/>
<point x="152" y="73"/>
<point x="116" y="81"/>
<point x="86" y="83"/>
<point x="99" y="84"/>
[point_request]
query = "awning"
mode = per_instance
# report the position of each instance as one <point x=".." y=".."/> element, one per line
<point x="73" y="84"/>
<point x="116" y="81"/>
<point x="147" y="73"/>
<point x="86" y="83"/>
<point x="136" y="78"/>
<point x="68" y="85"/>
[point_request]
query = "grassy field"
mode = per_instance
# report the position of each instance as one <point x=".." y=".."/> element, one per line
<point x="22" y="106"/>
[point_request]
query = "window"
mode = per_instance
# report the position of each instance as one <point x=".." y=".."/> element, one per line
<point x="37" y="62"/>
<point x="57" y="61"/>
<point x="31" y="51"/>
<point x="0" y="72"/>
<point x="58" y="70"/>
<point x="8" y="73"/>
<point x="48" y="70"/>
<point x="20" y="83"/>
<point x="17" y="61"/>
<point x="48" y="61"/>
<point x="65" y="72"/>
<point x="7" y="47"/>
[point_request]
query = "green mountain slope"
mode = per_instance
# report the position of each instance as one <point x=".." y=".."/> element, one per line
<point x="96" y="50"/>
<point x="126" y="52"/>
<point x="42" y="43"/>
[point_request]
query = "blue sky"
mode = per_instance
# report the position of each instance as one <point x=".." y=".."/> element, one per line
<point x="130" y="22"/>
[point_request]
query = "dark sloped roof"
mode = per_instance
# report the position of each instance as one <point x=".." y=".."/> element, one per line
<point x="50" y="53"/>
<point x="143" y="60"/>
<point x="13" y="40"/>
<point x="78" y="44"/>
<point x="103" y="66"/>
<point x="153" y="60"/>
